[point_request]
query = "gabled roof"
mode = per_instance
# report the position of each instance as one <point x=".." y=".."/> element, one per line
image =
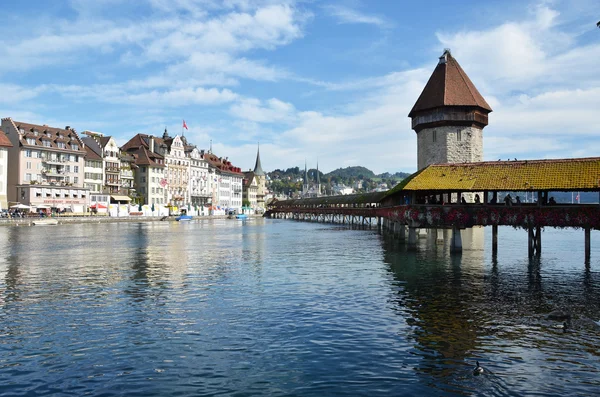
<point x="49" y="134"/>
<point x="449" y="85"/>
<point x="143" y="156"/>
<point x="90" y="154"/>
<point x="4" y="141"/>
<point x="578" y="174"/>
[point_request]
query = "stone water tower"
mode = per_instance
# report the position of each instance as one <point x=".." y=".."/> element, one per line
<point x="449" y="117"/>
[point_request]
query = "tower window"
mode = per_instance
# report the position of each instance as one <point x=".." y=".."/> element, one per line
<point x="458" y="135"/>
<point x="434" y="135"/>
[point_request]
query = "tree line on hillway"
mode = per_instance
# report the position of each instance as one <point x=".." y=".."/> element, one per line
<point x="290" y="180"/>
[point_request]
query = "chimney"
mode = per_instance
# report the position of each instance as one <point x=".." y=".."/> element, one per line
<point x="151" y="144"/>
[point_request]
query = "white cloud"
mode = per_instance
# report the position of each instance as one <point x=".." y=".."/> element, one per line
<point x="273" y="111"/>
<point x="350" y="16"/>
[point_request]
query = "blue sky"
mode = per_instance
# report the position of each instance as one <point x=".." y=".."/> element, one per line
<point x="329" y="81"/>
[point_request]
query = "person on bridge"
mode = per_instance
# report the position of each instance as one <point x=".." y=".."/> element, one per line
<point x="477" y="199"/>
<point x="518" y="200"/>
<point x="508" y="199"/>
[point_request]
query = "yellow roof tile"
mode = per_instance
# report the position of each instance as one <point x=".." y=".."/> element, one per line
<point x="560" y="174"/>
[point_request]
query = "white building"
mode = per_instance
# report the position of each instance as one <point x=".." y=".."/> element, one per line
<point x="4" y="145"/>
<point x="200" y="181"/>
<point x="46" y="166"/>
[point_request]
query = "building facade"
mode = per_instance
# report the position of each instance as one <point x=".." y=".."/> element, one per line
<point x="200" y="180"/>
<point x="449" y="117"/>
<point x="93" y="171"/>
<point x="46" y="166"/>
<point x="4" y="146"/>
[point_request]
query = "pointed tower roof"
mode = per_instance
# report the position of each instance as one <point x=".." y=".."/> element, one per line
<point x="257" y="167"/>
<point x="449" y="85"/>
<point x="305" y="174"/>
<point x="318" y="177"/>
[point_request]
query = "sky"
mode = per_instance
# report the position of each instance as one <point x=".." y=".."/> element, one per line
<point x="313" y="81"/>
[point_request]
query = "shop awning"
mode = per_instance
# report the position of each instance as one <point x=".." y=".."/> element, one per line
<point x="120" y="198"/>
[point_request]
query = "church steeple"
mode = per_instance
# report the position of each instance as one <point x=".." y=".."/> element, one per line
<point x="318" y="180"/>
<point x="305" y="183"/>
<point x="257" y="167"/>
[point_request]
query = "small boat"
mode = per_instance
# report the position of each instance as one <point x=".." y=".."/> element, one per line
<point x="41" y="222"/>
<point x="241" y="217"/>
<point x="183" y="218"/>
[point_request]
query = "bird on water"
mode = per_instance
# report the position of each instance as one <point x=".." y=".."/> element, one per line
<point x="478" y="369"/>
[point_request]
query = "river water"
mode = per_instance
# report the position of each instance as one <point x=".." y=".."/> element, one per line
<point x="285" y="308"/>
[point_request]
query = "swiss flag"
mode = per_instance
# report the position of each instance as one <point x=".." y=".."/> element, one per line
<point x="184" y="125"/>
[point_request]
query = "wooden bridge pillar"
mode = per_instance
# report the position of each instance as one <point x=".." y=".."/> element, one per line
<point x="587" y="245"/>
<point x="494" y="239"/>
<point x="456" y="242"/>
<point x="412" y="238"/>
<point x="401" y="231"/>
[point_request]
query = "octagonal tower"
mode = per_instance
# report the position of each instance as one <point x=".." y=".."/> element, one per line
<point x="449" y="117"/>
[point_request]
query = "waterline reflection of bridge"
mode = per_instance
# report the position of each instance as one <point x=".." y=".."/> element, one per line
<point x="434" y="198"/>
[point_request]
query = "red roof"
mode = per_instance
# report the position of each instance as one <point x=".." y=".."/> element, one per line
<point x="449" y="85"/>
<point x="4" y="141"/>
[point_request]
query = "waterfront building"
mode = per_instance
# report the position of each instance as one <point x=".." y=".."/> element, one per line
<point x="150" y="172"/>
<point x="449" y="117"/>
<point x="255" y="187"/>
<point x="226" y="182"/>
<point x="126" y="176"/>
<point x="250" y="189"/>
<point x="93" y="170"/>
<point x="108" y="149"/>
<point x="4" y="145"/>
<point x="200" y="180"/>
<point x="177" y="171"/>
<point x="46" y="166"/>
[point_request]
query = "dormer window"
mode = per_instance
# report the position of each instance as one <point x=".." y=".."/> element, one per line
<point x="74" y="146"/>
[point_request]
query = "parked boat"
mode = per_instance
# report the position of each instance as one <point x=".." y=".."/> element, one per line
<point x="41" y="222"/>
<point x="182" y="218"/>
<point x="241" y="217"/>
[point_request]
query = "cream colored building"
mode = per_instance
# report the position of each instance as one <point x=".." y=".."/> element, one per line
<point x="4" y="146"/>
<point x="46" y="166"/>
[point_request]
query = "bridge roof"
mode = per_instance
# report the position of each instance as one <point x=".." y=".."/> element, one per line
<point x="374" y="197"/>
<point x="579" y="174"/>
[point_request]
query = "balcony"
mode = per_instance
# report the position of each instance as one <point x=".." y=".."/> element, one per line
<point x="53" y="161"/>
<point x="54" y="173"/>
<point x="113" y="170"/>
<point x="113" y="183"/>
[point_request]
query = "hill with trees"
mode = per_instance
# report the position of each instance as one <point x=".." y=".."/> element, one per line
<point x="290" y="180"/>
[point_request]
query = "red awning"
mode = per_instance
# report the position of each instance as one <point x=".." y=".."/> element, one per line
<point x="98" y="206"/>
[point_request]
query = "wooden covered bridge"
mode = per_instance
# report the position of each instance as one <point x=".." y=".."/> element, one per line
<point x="459" y="196"/>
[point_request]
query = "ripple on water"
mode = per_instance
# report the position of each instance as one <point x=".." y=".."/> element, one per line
<point x="288" y="308"/>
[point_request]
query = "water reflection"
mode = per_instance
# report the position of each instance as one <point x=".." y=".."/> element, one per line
<point x="469" y="307"/>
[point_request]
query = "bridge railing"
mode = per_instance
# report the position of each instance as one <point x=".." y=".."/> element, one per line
<point x="442" y="216"/>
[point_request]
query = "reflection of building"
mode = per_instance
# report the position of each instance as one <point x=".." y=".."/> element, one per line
<point x="46" y="166"/>
<point x="4" y="145"/>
